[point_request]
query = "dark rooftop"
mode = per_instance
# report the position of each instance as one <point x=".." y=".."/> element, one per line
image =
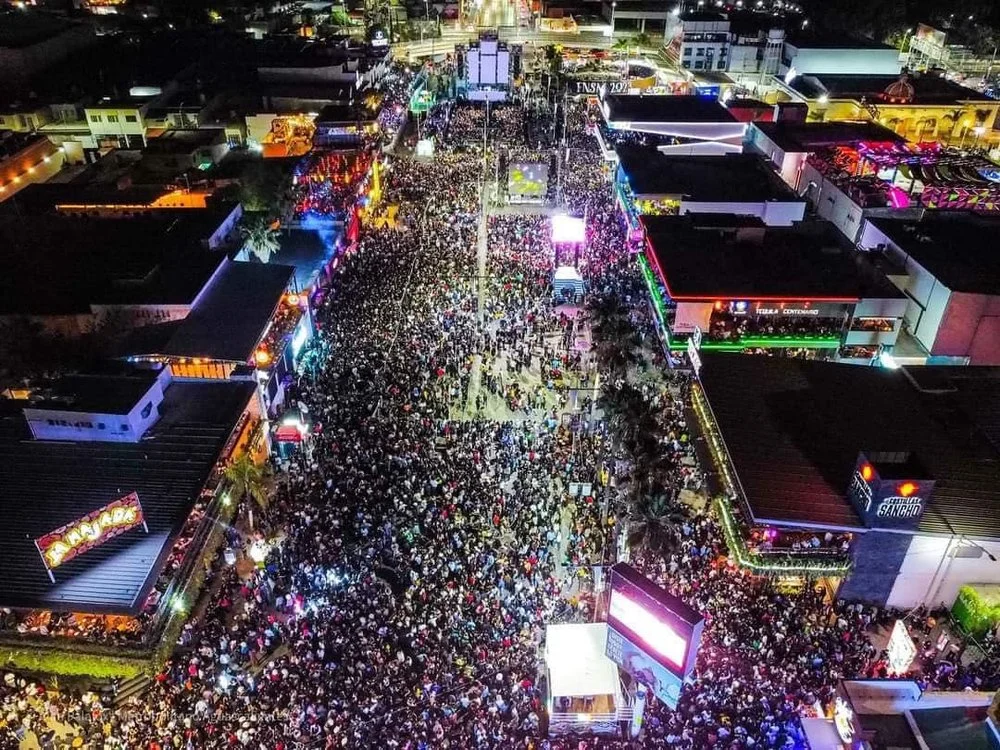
<point x="46" y="484"/>
<point x="45" y="196"/>
<point x="308" y="251"/>
<point x="950" y="246"/>
<point x="702" y="16"/>
<point x="817" y="40"/>
<point x="953" y="728"/>
<point x="927" y="88"/>
<point x="793" y="429"/>
<point x="184" y="141"/>
<point x="64" y="264"/>
<point x="663" y="109"/>
<point x="724" y="221"/>
<point x="740" y="102"/>
<point x="231" y="317"/>
<point x="805" y="137"/>
<point x="23" y="29"/>
<point x="739" y="178"/>
<point x="100" y="394"/>
<point x="810" y="260"/>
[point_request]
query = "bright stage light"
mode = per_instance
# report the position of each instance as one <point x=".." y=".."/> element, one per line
<point x="568" y="229"/>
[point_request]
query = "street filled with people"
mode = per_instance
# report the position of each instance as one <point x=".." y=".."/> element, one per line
<point x="436" y="521"/>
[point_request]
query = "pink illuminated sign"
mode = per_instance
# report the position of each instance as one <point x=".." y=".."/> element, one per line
<point x="656" y="635"/>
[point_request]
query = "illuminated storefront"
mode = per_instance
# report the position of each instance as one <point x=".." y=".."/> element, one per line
<point x="702" y="274"/>
<point x="898" y="527"/>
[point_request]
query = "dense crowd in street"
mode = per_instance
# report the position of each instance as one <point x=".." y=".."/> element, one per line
<point x="428" y="533"/>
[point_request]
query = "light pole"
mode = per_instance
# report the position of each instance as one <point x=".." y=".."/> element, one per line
<point x="614" y="5"/>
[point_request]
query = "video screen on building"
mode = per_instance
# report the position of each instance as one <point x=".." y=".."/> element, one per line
<point x="527" y="180"/>
<point x="662" y="625"/>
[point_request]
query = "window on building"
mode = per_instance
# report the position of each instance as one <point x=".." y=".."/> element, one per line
<point x="146" y="410"/>
<point x="721" y="65"/>
<point x="112" y="118"/>
<point x="687" y="52"/>
<point x="101" y="426"/>
<point x="131" y="118"/>
<point x="700" y="52"/>
<point x="95" y="118"/>
<point x="124" y="428"/>
<point x="699" y="65"/>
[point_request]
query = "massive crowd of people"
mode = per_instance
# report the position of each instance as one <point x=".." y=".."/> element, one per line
<point x="430" y="530"/>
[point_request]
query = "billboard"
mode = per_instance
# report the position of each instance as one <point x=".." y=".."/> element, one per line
<point x="660" y="626"/>
<point x="527" y="180"/>
<point x="665" y="684"/>
<point x="92" y="530"/>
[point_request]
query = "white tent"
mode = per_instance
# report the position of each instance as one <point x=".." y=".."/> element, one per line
<point x="577" y="665"/>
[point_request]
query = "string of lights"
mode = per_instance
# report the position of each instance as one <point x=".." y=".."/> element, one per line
<point x="17" y="179"/>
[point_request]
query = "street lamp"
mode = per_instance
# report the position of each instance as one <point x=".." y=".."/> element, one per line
<point x="613" y="6"/>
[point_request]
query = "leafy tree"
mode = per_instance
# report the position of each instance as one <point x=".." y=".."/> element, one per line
<point x="264" y="185"/>
<point x="248" y="481"/>
<point x="339" y="17"/>
<point x="651" y="522"/>
<point x="260" y="237"/>
<point x="616" y="339"/>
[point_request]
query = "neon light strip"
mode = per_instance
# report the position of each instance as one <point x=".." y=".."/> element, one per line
<point x="655" y="634"/>
<point x="746" y="559"/>
<point x="734" y="540"/>
<point x="765" y="342"/>
<point x="654" y="292"/>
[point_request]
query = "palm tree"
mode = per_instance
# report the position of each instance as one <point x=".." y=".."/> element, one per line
<point x="650" y="519"/>
<point x="261" y="238"/>
<point x="248" y="479"/>
<point x="616" y="339"/>
<point x="623" y="407"/>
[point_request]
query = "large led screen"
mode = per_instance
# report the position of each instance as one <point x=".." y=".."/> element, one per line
<point x="662" y="625"/>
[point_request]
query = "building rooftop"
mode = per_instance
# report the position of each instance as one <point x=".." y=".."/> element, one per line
<point x="806" y="137"/>
<point x="64" y="264"/>
<point x="110" y="68"/>
<point x="952" y="728"/>
<point x="23" y="29"/>
<point x="950" y="246"/>
<point x="794" y="428"/>
<point x="808" y="261"/>
<point x="739" y="178"/>
<point x="817" y="40"/>
<point x="700" y="220"/>
<point x="41" y="198"/>
<point x="927" y="88"/>
<point x="701" y="16"/>
<point x="12" y="143"/>
<point x="98" y="394"/>
<point x="664" y="109"/>
<point x="184" y="141"/>
<point x="46" y="484"/>
<point x="232" y="315"/>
